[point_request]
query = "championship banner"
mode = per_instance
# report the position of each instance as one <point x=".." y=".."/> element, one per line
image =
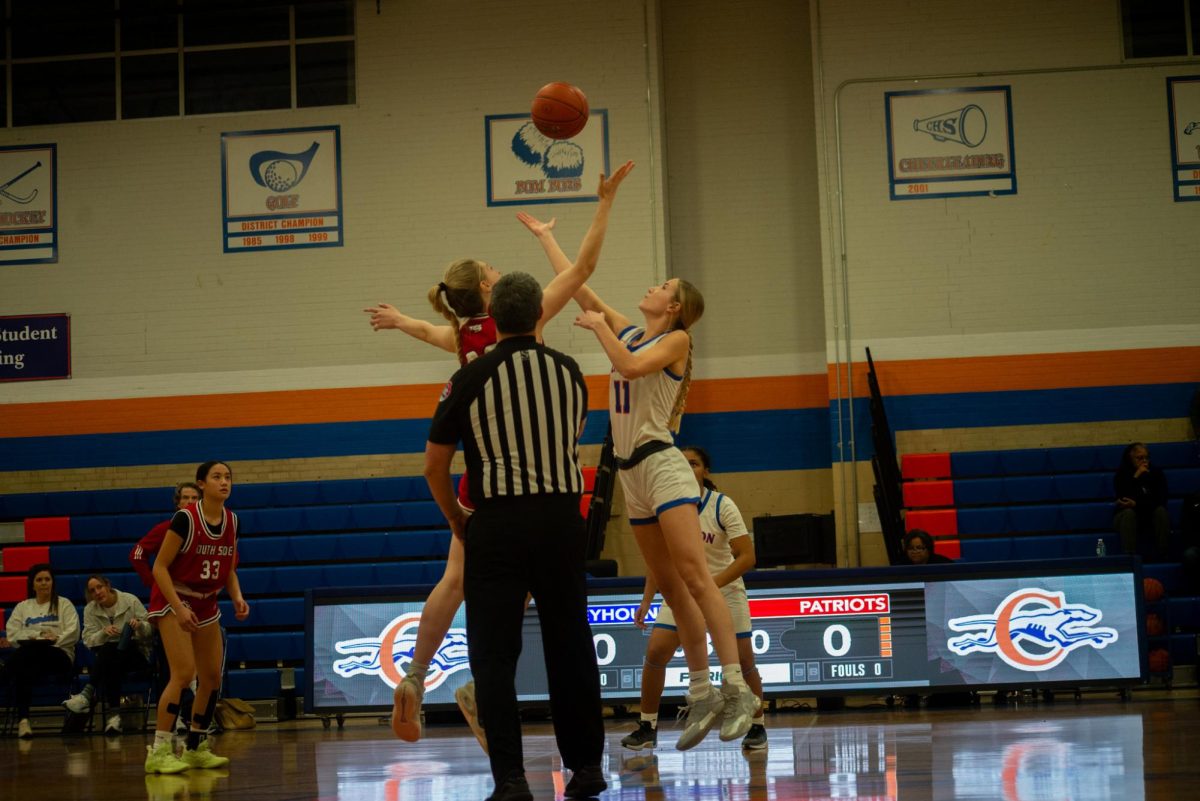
<point x="950" y="142"/>
<point x="35" y="347"/>
<point x="525" y="167"/>
<point x="29" y="204"/>
<point x="281" y="189"/>
<point x="1183" y="101"/>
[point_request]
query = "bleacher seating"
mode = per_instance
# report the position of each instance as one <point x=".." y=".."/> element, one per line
<point x="295" y="536"/>
<point x="1046" y="503"/>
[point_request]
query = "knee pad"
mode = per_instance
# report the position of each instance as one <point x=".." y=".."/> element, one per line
<point x="202" y="719"/>
<point x="172" y="709"/>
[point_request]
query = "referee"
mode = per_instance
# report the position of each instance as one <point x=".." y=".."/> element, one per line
<point x="518" y="412"/>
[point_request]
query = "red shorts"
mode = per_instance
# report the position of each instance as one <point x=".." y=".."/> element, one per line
<point x="205" y="609"/>
<point x="464" y="497"/>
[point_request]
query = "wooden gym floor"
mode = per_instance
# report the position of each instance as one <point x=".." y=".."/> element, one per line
<point x="1097" y="749"/>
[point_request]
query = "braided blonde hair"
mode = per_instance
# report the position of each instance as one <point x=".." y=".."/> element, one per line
<point x="691" y="309"/>
<point x="457" y="297"/>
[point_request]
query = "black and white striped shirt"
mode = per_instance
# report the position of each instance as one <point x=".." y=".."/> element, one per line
<point x="518" y="411"/>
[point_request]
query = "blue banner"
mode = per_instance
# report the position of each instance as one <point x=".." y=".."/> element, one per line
<point x="35" y="348"/>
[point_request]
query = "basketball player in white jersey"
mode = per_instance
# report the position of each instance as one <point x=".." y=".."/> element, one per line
<point x="652" y="366"/>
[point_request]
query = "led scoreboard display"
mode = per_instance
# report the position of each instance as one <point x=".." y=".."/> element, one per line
<point x="813" y="632"/>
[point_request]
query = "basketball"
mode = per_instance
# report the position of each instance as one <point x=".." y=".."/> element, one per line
<point x="559" y="110"/>
<point x="1153" y="589"/>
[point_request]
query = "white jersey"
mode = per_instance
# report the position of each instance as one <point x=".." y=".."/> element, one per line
<point x="720" y="522"/>
<point x="640" y="409"/>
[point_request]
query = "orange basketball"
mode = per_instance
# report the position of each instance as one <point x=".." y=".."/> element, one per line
<point x="559" y="110"/>
<point x="1153" y="589"/>
<point x="1155" y="625"/>
<point x="1160" y="660"/>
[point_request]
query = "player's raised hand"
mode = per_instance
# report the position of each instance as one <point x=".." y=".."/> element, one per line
<point x="591" y="320"/>
<point x="536" y="226"/>
<point x="384" y="315"/>
<point x="608" y="186"/>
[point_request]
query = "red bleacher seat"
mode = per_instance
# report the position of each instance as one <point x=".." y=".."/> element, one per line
<point x="12" y="589"/>
<point x="925" y="465"/>
<point x="585" y="501"/>
<point x="18" y="558"/>
<point x="928" y="493"/>
<point x="589" y="479"/>
<point x="937" y="522"/>
<point x="951" y="549"/>
<point x="47" y="529"/>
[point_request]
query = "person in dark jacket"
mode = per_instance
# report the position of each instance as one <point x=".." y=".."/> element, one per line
<point x="918" y="548"/>
<point x="1141" y="491"/>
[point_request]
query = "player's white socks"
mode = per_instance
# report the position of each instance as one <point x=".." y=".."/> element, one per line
<point x="163" y="737"/>
<point x="417" y="670"/>
<point x="651" y="718"/>
<point x="732" y="674"/>
<point x="699" y="684"/>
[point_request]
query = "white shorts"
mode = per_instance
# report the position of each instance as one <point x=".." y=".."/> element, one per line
<point x="739" y="608"/>
<point x="659" y="482"/>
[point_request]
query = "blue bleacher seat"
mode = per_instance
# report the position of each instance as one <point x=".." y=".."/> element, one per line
<point x="72" y="556"/>
<point x="401" y="488"/>
<point x="252" y="496"/>
<point x="295" y="493"/>
<point x="1083" y="486"/>
<point x="983" y="520"/>
<point x="1022" y="519"/>
<point x="268" y="646"/>
<point x="325" y="518"/>
<point x="1025" y="462"/>
<point x="359" y="545"/>
<point x="1183" y="649"/>
<point x="346" y="491"/>
<point x="254" y="550"/>
<point x="979" y="492"/>
<point x="1174" y="454"/>
<point x="974" y="464"/>
<point x="425" y="572"/>
<point x="414" y="514"/>
<point x="272" y="521"/>
<point x="1087" y="516"/>
<point x="373" y="516"/>
<point x="991" y="549"/>
<point x="253" y="683"/>
<point x="435" y="543"/>
<point x="1029" y="489"/>
<point x="1037" y="548"/>
<point x="275" y="612"/>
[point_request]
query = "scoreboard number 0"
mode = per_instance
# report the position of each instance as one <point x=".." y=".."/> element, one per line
<point x="843" y="635"/>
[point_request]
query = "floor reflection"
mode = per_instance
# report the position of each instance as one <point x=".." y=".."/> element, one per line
<point x="1015" y="759"/>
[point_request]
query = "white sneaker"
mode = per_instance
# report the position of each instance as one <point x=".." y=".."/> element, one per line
<point x="741" y="705"/>
<point x="113" y="726"/>
<point x="79" y="702"/>
<point x="24" y="730"/>
<point x="701" y="714"/>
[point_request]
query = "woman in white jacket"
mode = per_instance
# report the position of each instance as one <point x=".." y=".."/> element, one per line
<point x="44" y="629"/>
<point x="116" y="629"/>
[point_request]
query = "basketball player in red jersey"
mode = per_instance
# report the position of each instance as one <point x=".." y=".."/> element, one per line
<point x="142" y="554"/>
<point x="462" y="297"/>
<point x="197" y="559"/>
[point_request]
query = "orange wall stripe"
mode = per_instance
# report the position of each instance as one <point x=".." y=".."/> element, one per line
<point x="758" y="394"/>
<point x="1029" y="372"/>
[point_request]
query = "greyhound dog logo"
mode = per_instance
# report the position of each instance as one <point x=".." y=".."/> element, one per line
<point x="387" y="655"/>
<point x="1031" y="617"/>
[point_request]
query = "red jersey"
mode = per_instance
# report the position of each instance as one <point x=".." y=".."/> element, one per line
<point x="142" y="553"/>
<point x="205" y="559"/>
<point x="476" y="337"/>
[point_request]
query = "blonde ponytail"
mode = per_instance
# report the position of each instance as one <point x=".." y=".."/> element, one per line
<point x="691" y="309"/>
<point x="457" y="296"/>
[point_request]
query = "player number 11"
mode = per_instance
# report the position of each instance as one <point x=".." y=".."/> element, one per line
<point x="621" y="397"/>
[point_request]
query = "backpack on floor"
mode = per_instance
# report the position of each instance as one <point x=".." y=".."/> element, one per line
<point x="233" y="714"/>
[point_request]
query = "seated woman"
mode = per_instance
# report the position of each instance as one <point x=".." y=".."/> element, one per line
<point x="116" y="629"/>
<point x="1141" y="518"/>
<point x="918" y="548"/>
<point x="43" y="629"/>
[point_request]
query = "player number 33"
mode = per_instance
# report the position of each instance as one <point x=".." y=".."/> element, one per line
<point x="210" y="569"/>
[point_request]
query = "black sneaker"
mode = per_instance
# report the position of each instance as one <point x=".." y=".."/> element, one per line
<point x="756" y="738"/>
<point x="586" y="783"/>
<point x="514" y="788"/>
<point x="644" y="736"/>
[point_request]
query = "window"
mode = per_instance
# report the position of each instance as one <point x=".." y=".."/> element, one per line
<point x="89" y="60"/>
<point x="1161" y="28"/>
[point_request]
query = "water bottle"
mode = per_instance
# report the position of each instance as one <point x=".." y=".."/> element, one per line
<point x="1101" y="548"/>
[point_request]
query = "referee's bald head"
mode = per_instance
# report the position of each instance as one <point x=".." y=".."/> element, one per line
<point x="516" y="304"/>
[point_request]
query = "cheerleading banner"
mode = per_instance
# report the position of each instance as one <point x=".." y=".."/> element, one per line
<point x="1183" y="105"/>
<point x="525" y="167"/>
<point x="281" y="189"/>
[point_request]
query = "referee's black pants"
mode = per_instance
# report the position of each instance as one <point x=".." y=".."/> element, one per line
<point x="532" y="544"/>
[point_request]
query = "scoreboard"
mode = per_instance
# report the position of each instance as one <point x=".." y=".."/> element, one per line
<point x="813" y="632"/>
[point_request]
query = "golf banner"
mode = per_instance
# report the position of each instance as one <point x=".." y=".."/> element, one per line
<point x="28" y="204"/>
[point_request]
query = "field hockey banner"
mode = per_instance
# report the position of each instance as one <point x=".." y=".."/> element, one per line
<point x="950" y="142"/>
<point x="35" y="347"/>
<point x="281" y="189"/>
<point x="28" y="204"/>
<point x="524" y="167"/>
<point x="1183" y="99"/>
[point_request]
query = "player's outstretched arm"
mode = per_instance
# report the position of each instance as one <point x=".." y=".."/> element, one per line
<point x="571" y="279"/>
<point x="386" y="316"/>
<point x="634" y="364"/>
